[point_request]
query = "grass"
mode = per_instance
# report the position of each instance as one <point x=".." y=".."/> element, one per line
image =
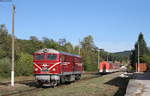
<point x="91" y="87"/>
<point x="106" y="85"/>
<point x="2" y="79"/>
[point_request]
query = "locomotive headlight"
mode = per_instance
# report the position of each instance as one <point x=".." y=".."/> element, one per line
<point x="54" y="69"/>
<point x="36" y="69"/>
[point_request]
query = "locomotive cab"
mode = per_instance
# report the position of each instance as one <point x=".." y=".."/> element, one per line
<point x="46" y="68"/>
<point x="43" y="61"/>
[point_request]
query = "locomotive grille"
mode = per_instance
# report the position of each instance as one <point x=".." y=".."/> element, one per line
<point x="44" y="69"/>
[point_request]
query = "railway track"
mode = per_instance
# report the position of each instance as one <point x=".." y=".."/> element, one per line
<point x="23" y="81"/>
<point x="26" y="81"/>
<point x="32" y="83"/>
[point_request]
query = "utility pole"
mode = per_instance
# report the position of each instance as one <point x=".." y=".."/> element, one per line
<point x="13" y="46"/>
<point x="107" y="56"/>
<point x="79" y="47"/>
<point x="98" y="59"/>
<point x="138" y="57"/>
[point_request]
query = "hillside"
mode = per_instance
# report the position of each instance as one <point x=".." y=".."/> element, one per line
<point x="123" y="54"/>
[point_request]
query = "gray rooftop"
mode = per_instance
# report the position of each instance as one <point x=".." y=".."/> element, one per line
<point x="45" y="50"/>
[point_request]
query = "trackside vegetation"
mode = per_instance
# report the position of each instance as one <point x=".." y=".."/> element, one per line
<point x="25" y="48"/>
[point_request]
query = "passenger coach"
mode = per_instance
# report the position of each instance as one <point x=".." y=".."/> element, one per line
<point x="52" y="67"/>
<point x="108" y="67"/>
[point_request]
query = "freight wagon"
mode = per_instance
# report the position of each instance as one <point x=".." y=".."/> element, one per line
<point x="141" y="67"/>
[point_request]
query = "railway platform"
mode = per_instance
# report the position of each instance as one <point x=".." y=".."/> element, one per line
<point x="139" y="85"/>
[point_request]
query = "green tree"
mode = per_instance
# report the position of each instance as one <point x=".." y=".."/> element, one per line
<point x="146" y="59"/>
<point x="68" y="47"/>
<point x="89" y="53"/>
<point x="24" y="64"/>
<point x="50" y="43"/>
<point x="35" y="44"/>
<point x="143" y="50"/>
<point x="5" y="67"/>
<point x="5" y="42"/>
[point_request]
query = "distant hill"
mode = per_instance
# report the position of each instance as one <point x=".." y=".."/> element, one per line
<point x="123" y="54"/>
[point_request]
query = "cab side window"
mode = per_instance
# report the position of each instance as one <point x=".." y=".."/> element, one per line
<point x="62" y="58"/>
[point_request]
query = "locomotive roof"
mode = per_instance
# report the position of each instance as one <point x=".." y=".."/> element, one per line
<point x="55" y="51"/>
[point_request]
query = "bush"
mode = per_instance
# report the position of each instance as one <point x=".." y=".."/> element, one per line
<point x="24" y="65"/>
<point x="146" y="59"/>
<point x="89" y="64"/>
<point x="131" y="68"/>
<point x="5" y="67"/>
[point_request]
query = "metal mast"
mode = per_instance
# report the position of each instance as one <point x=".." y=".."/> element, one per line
<point x="13" y="46"/>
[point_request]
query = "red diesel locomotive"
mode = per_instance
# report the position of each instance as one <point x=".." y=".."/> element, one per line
<point x="52" y="67"/>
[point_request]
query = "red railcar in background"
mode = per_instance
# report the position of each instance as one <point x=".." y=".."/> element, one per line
<point x="108" y="67"/>
<point x="52" y="67"/>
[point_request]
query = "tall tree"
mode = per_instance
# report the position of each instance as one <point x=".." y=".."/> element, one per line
<point x="88" y="53"/>
<point x="143" y="50"/>
<point x="5" y="42"/>
<point x="69" y="48"/>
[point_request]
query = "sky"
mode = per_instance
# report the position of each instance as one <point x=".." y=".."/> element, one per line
<point x="114" y="24"/>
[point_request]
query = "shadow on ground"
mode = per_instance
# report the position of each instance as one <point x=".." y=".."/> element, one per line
<point x="31" y="84"/>
<point x="35" y="84"/>
<point x="121" y="83"/>
<point x="142" y="76"/>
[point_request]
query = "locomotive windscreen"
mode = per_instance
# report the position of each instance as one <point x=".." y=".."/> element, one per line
<point x="39" y="57"/>
<point x="45" y="56"/>
<point x="51" y="57"/>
